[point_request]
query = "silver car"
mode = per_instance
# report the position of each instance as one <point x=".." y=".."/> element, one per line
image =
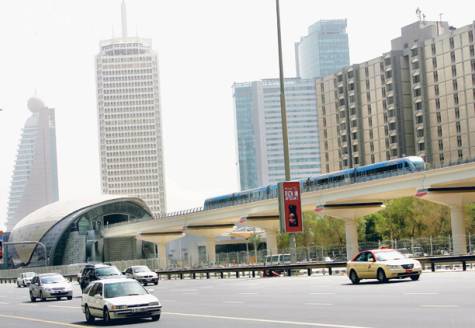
<point x="24" y="279"/>
<point x="50" y="285"/>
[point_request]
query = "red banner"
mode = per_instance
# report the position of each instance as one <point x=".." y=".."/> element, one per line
<point x="290" y="207"/>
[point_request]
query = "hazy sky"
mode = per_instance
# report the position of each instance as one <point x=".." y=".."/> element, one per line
<point x="48" y="48"/>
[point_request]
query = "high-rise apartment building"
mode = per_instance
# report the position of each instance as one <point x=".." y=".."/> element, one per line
<point x="34" y="181"/>
<point x="259" y="130"/>
<point x="324" y="50"/>
<point x="417" y="99"/>
<point x="130" y="132"/>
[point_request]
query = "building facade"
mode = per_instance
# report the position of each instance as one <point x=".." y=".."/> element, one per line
<point x="129" y="116"/>
<point x="35" y="177"/>
<point x="324" y="50"/>
<point x="259" y="130"/>
<point x="417" y="99"/>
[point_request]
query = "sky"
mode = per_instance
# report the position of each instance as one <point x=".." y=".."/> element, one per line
<point x="48" y="49"/>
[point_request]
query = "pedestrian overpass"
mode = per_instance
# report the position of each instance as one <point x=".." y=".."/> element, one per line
<point x="452" y="186"/>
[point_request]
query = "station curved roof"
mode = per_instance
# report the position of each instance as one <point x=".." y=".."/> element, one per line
<point x="36" y="224"/>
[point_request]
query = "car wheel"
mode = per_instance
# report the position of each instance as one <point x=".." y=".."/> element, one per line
<point x="32" y="298"/>
<point x="70" y="298"/>
<point x="42" y="298"/>
<point x="381" y="276"/>
<point x="18" y="285"/>
<point x="156" y="283"/>
<point x="155" y="317"/>
<point x="105" y="316"/>
<point x="354" y="277"/>
<point x="87" y="313"/>
<point x="416" y="277"/>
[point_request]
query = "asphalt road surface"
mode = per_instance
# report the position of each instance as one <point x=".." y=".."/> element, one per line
<point x="440" y="299"/>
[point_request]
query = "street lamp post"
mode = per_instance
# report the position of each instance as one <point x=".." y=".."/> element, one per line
<point x="283" y="114"/>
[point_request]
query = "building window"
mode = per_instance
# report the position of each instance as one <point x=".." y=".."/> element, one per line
<point x="417" y="92"/>
<point x="419" y="105"/>
<point x="421" y="146"/>
<point x="420" y="133"/>
<point x="439" y="131"/>
<point x="456" y="99"/>
<point x="416" y="78"/>
<point x="370" y="122"/>
<point x="437" y="103"/>
<point x="434" y="62"/>
<point x="433" y="49"/>
<point x="459" y="141"/>
<point x="436" y="76"/>
<point x="372" y="158"/>
<point x="368" y="86"/>
<point x="371" y="146"/>
<point x="415" y="65"/>
<point x="419" y="119"/>
<point x="454" y="71"/>
<point x="452" y="56"/>
<point x="436" y="89"/>
<point x="366" y="71"/>
<point x="454" y="85"/>
<point x="350" y="74"/>
<point x="439" y="119"/>
<point x="414" y="52"/>
<point x="441" y="145"/>
<point x="460" y="154"/>
<point x="457" y="127"/>
<point x="457" y="113"/>
<point x="371" y="134"/>
<point x="441" y="157"/>
<point x="472" y="51"/>
<point x="369" y="108"/>
<point x="368" y="96"/>
<point x="451" y="41"/>
<point x="389" y="74"/>
<point x="470" y="36"/>
<point x="473" y="65"/>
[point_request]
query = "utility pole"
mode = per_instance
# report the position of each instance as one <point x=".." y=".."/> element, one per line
<point x="283" y="114"/>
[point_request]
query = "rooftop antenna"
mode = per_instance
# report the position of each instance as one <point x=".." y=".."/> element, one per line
<point x="419" y="13"/>
<point x="124" y="19"/>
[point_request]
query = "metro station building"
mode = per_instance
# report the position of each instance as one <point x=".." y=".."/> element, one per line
<point x="72" y="232"/>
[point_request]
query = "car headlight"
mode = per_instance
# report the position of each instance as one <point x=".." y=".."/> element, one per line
<point x="118" y="307"/>
<point x="394" y="267"/>
<point x="48" y="289"/>
<point x="417" y="265"/>
<point x="154" y="304"/>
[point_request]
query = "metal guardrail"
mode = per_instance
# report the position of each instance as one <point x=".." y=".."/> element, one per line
<point x="288" y="269"/>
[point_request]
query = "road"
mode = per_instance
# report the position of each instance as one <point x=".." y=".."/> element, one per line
<point x="440" y="299"/>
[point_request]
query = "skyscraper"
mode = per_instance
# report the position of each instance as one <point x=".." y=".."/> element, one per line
<point x="130" y="133"/>
<point x="324" y="50"/>
<point x="259" y="130"/>
<point x="34" y="181"/>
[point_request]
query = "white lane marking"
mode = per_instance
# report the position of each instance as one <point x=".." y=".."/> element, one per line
<point x="284" y="322"/>
<point x="422" y="293"/>
<point x="247" y="293"/>
<point x="190" y="293"/>
<point x="233" y="302"/>
<point x="323" y="293"/>
<point x="165" y="300"/>
<point x="318" y="304"/>
<point x="57" y="323"/>
<point x="440" y="306"/>
<point x="4" y="303"/>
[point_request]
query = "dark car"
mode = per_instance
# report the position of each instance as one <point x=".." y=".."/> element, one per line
<point x="92" y="272"/>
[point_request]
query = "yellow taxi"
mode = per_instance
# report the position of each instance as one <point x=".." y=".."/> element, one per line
<point x="382" y="264"/>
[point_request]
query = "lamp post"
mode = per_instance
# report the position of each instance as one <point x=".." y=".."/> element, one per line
<point x="283" y="114"/>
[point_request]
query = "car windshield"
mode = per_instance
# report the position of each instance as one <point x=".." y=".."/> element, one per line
<point x="29" y="274"/>
<point x="391" y="255"/>
<point x="125" y="288"/>
<point x="52" y="279"/>
<point x="107" y="271"/>
<point x="141" y="269"/>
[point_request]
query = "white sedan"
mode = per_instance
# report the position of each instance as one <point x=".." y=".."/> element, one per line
<point x="142" y="274"/>
<point x="117" y="299"/>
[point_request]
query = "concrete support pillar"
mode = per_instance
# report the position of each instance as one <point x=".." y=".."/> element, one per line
<point x="459" y="237"/>
<point x="351" y="232"/>
<point x="271" y="241"/>
<point x="211" y="249"/>
<point x="162" y="255"/>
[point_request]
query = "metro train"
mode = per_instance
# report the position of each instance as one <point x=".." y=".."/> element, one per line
<point x="360" y="174"/>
